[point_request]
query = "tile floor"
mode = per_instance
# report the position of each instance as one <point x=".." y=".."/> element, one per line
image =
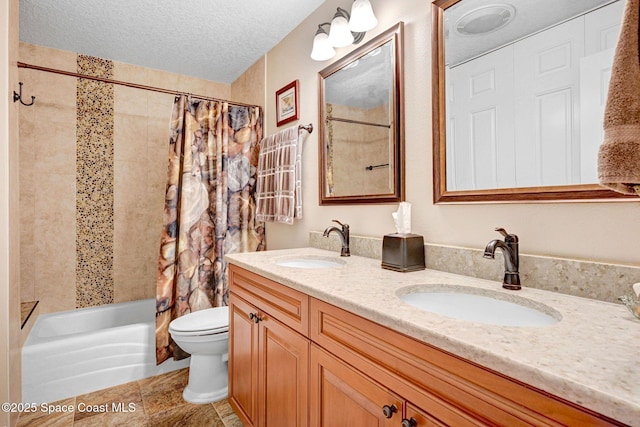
<point x="150" y="402"/>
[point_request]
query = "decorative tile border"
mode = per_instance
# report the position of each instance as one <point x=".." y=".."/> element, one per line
<point x="586" y="279"/>
<point x="94" y="184"/>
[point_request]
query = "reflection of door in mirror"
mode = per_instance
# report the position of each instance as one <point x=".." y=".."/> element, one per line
<point x="359" y="121"/>
<point x="519" y="90"/>
<point x="515" y="114"/>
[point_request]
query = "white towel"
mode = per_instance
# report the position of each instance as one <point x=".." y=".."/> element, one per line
<point x="279" y="186"/>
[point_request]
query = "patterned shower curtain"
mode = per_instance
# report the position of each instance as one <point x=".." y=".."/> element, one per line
<point x="209" y="208"/>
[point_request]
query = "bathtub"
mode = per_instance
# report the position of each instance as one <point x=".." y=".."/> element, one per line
<point x="79" y="351"/>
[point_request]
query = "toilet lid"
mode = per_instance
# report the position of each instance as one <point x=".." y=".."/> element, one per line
<point x="211" y="319"/>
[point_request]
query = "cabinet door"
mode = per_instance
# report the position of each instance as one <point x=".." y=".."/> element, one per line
<point x="340" y="396"/>
<point x="283" y="379"/>
<point x="243" y="359"/>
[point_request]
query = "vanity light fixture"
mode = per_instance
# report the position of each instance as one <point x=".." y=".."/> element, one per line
<point x="340" y="35"/>
<point x="362" y="16"/>
<point x="344" y="30"/>
<point x="322" y="48"/>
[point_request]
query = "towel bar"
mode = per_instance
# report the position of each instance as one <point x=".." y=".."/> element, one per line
<point x="308" y="128"/>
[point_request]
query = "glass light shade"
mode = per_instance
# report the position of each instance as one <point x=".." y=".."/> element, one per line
<point x="362" y="17"/>
<point x="322" y="49"/>
<point x="339" y="34"/>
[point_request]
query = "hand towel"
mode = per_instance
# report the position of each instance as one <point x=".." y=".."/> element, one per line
<point x="619" y="155"/>
<point x="279" y="186"/>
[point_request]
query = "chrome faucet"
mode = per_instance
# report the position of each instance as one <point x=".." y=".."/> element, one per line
<point x="511" y="258"/>
<point x="344" y="236"/>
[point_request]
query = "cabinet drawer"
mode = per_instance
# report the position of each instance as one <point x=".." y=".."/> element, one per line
<point x="281" y="302"/>
<point x="453" y="390"/>
<point x="421" y="418"/>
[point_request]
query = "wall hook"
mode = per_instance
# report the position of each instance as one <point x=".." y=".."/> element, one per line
<point x="18" y="97"/>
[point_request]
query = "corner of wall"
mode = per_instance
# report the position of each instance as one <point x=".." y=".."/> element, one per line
<point x="10" y="381"/>
<point x="249" y="88"/>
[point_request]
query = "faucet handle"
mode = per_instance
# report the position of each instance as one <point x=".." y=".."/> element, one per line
<point x="336" y="221"/>
<point x="502" y="231"/>
<point x="507" y="236"/>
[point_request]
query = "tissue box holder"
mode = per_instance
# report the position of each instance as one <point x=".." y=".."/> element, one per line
<point x="403" y="252"/>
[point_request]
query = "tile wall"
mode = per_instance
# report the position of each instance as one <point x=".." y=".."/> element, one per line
<point x="356" y="147"/>
<point x="57" y="268"/>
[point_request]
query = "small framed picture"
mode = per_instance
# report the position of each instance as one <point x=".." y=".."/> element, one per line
<point x="287" y="104"/>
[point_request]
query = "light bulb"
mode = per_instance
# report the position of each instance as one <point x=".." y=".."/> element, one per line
<point x="362" y="17"/>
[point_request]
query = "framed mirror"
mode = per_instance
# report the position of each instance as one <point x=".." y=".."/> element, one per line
<point x="519" y="91"/>
<point x="361" y="149"/>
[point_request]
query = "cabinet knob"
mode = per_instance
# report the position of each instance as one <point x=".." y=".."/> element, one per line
<point x="411" y="422"/>
<point x="255" y="317"/>
<point x="388" y="411"/>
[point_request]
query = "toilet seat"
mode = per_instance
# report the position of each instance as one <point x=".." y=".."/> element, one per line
<point x="210" y="321"/>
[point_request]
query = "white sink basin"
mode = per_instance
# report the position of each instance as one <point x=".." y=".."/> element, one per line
<point x="480" y="305"/>
<point x="310" y="262"/>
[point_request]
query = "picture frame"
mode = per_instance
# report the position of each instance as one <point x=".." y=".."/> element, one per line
<point x="288" y="103"/>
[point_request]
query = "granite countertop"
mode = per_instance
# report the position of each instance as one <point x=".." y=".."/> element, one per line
<point x="591" y="357"/>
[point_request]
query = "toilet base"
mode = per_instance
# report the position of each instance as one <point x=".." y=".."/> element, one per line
<point x="208" y="379"/>
<point x="193" y="397"/>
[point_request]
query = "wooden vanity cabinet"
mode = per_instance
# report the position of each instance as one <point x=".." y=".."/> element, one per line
<point x="298" y="361"/>
<point x="268" y="351"/>
<point x="439" y="388"/>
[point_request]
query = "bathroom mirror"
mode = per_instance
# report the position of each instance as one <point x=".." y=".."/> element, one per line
<point x="361" y="149"/>
<point x="519" y="90"/>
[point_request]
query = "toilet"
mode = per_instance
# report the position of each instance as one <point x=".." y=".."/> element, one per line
<point x="205" y="335"/>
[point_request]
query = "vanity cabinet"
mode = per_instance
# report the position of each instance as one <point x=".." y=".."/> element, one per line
<point x="437" y="388"/>
<point x="268" y="351"/>
<point x="297" y="361"/>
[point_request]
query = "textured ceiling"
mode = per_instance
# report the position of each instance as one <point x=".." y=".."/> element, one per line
<point x="212" y="39"/>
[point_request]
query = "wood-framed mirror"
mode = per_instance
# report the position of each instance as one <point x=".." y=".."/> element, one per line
<point x="518" y="98"/>
<point x="361" y="117"/>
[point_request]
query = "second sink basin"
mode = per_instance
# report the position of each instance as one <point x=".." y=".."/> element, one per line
<point x="480" y="305"/>
<point x="310" y="262"/>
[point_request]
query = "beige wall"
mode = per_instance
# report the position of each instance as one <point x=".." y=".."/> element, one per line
<point x="607" y="232"/>
<point x="49" y="179"/>
<point x="249" y="88"/>
<point x="10" y="389"/>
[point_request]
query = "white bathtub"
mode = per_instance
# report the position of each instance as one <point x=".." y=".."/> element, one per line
<point x="78" y="351"/>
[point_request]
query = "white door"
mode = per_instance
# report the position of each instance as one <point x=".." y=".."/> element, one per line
<point x="547" y="100"/>
<point x="594" y="85"/>
<point x="602" y="27"/>
<point x="481" y="113"/>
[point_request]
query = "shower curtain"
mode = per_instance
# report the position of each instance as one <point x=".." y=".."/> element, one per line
<point x="209" y="208"/>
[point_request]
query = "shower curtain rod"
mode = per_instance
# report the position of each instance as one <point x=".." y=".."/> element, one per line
<point x="128" y="84"/>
